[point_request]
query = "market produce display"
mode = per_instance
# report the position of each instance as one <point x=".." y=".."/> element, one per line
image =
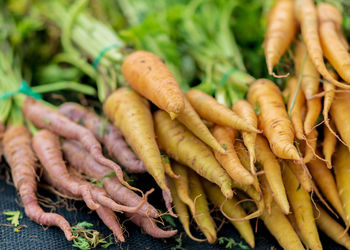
<point x="231" y="111"/>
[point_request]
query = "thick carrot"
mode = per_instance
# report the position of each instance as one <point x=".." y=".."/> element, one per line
<point x="209" y="109"/>
<point x="280" y="227"/>
<point x="184" y="147"/>
<point x="329" y="143"/>
<point x="131" y="114"/>
<point x="330" y="21"/>
<point x="331" y="227"/>
<point x="296" y="112"/>
<point x="309" y="84"/>
<point x="83" y="162"/>
<point x="342" y="175"/>
<point x="306" y="15"/>
<point x="302" y="207"/>
<point x="148" y="75"/>
<point x="281" y="30"/>
<point x="202" y="215"/>
<point x="47" y="118"/>
<point x="181" y="210"/>
<point x="272" y="172"/>
<point x="107" y="134"/>
<point x="229" y="160"/>
<point x="301" y="173"/>
<point x="193" y="122"/>
<point x="233" y="209"/>
<point x="21" y="158"/>
<point x="182" y="185"/>
<point x="273" y="118"/>
<point x="340" y="113"/>
<point x="150" y="227"/>
<point x="109" y="218"/>
<point x="310" y="146"/>
<point x="245" y="110"/>
<point x="325" y="181"/>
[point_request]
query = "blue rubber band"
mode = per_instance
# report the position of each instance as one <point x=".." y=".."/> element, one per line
<point x="102" y="52"/>
<point x="24" y="89"/>
<point x="224" y="78"/>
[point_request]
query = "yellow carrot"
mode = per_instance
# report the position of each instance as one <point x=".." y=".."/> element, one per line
<point x="301" y="173"/>
<point x="329" y="143"/>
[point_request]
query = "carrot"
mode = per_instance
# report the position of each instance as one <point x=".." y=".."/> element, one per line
<point x="233" y="209"/>
<point x="267" y="193"/>
<point x="167" y="167"/>
<point x="341" y="169"/>
<point x="150" y="227"/>
<point x="306" y="15"/>
<point x="296" y="111"/>
<point x="245" y="110"/>
<point x="184" y="147"/>
<point x="149" y="76"/>
<point x="309" y="84"/>
<point x="168" y="198"/>
<point x="47" y="118"/>
<point x="293" y="222"/>
<point x="281" y="30"/>
<point x="310" y="146"/>
<point x="331" y="227"/>
<point x="193" y="122"/>
<point x="21" y="158"/>
<point x="131" y="114"/>
<point x="244" y="158"/>
<point x="229" y="160"/>
<point x="273" y="118"/>
<point x="209" y="109"/>
<point x="329" y="92"/>
<point x="329" y="143"/>
<point x="109" y="218"/>
<point x="83" y="162"/>
<point x="272" y="172"/>
<point x="280" y="227"/>
<point x="202" y="213"/>
<point x="325" y="181"/>
<point x="301" y="173"/>
<point x="108" y="135"/>
<point x="181" y="210"/>
<point x="302" y="207"/>
<point x="330" y="21"/>
<point x="339" y="113"/>
<point x="182" y="185"/>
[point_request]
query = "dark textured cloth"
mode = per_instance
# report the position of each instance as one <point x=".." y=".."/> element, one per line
<point x="33" y="236"/>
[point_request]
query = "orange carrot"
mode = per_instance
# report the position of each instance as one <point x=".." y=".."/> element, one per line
<point x="267" y="193"/>
<point x="47" y="118"/>
<point x="296" y="112"/>
<point x="21" y="158"/>
<point x="209" y="109"/>
<point x="309" y="84"/>
<point x="245" y="110"/>
<point x="325" y="181"/>
<point x="329" y="143"/>
<point x="131" y="114"/>
<point x="330" y="21"/>
<point x="273" y="118"/>
<point x="193" y="122"/>
<point x="342" y="176"/>
<point x="148" y="75"/>
<point x="306" y="15"/>
<point x="272" y="172"/>
<point x="229" y="160"/>
<point x="184" y="147"/>
<point x="301" y="173"/>
<point x="281" y="30"/>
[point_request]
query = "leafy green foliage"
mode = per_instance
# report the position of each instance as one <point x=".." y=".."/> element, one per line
<point x="87" y="238"/>
<point x="169" y="219"/>
<point x="13" y="217"/>
<point x="179" y="244"/>
<point x="230" y="243"/>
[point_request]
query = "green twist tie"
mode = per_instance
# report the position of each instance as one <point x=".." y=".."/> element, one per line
<point x="224" y="78"/>
<point x="24" y="89"/>
<point x="102" y="52"/>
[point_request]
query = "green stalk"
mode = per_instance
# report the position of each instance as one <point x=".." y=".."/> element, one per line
<point x="16" y="116"/>
<point x="64" y="85"/>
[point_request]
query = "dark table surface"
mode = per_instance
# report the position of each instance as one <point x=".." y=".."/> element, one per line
<point x="33" y="236"/>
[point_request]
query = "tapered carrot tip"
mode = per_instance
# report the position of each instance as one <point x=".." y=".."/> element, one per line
<point x="227" y="190"/>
